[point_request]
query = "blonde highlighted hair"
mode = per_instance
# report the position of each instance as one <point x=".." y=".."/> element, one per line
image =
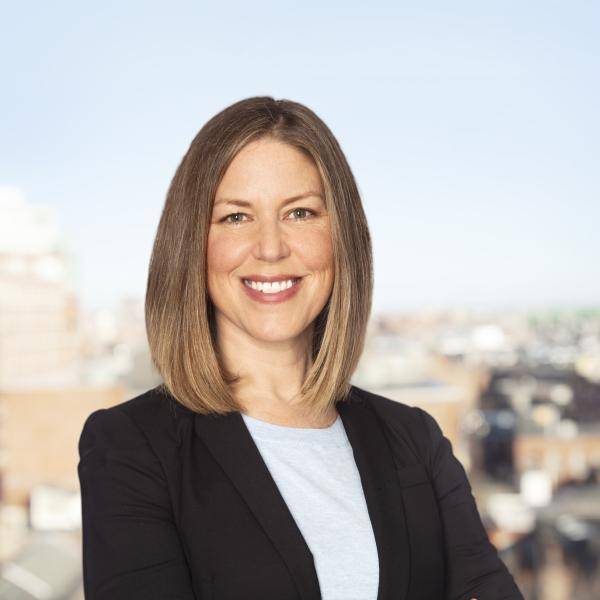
<point x="180" y="321"/>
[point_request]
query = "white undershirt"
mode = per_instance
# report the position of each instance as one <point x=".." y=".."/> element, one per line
<point x="317" y="476"/>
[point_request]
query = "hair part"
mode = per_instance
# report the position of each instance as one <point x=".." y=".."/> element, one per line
<point x="180" y="323"/>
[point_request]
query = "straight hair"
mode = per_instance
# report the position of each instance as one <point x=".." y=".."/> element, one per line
<point x="179" y="313"/>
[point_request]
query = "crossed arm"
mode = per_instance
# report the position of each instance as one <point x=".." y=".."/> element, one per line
<point x="475" y="571"/>
<point x="131" y="548"/>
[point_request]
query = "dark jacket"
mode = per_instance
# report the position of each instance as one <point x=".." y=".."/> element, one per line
<point x="178" y="505"/>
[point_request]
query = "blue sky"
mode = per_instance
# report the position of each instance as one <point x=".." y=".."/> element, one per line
<point x="472" y="129"/>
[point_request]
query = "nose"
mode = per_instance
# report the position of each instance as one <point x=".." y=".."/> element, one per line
<point x="270" y="243"/>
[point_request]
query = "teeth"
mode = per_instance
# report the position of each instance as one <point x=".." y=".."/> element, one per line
<point x="270" y="287"/>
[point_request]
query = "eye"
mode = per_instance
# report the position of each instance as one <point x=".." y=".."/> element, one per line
<point x="225" y="219"/>
<point x="302" y="210"/>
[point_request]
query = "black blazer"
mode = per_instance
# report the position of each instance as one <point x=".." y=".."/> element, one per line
<point x="178" y="505"/>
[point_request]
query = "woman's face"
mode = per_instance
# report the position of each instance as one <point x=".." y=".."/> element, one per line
<point x="257" y="232"/>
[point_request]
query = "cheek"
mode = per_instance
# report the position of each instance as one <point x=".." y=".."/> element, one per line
<point x="316" y="250"/>
<point x="222" y="256"/>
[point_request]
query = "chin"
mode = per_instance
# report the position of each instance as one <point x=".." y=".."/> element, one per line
<point x="275" y="334"/>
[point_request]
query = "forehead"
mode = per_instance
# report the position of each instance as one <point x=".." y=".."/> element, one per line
<point x="269" y="168"/>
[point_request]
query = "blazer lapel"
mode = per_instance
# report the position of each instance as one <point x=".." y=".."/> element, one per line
<point x="231" y="444"/>
<point x="375" y="463"/>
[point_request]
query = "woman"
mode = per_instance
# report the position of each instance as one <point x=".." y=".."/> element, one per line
<point x="256" y="470"/>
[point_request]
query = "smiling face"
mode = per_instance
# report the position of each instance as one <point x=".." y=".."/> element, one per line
<point x="256" y="231"/>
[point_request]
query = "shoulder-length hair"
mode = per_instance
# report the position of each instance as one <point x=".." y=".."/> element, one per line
<point x="179" y="313"/>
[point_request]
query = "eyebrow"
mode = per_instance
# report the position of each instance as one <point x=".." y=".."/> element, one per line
<point x="246" y="203"/>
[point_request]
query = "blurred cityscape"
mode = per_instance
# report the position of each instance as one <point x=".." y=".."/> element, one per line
<point x="516" y="392"/>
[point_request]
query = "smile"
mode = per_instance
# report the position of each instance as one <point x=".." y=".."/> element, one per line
<point x="271" y="287"/>
<point x="270" y="292"/>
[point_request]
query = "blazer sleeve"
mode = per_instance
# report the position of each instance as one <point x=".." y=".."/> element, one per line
<point x="131" y="547"/>
<point x="474" y="569"/>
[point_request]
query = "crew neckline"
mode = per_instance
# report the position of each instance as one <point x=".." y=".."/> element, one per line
<point x="333" y="435"/>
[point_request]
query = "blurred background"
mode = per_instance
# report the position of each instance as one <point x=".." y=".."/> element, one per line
<point x="473" y="131"/>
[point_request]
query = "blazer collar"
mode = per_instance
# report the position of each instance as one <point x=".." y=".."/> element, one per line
<point x="231" y="444"/>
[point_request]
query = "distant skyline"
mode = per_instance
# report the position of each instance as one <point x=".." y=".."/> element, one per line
<point x="472" y="129"/>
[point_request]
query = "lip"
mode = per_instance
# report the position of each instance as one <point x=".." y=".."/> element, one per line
<point x="282" y="277"/>
<point x="278" y="297"/>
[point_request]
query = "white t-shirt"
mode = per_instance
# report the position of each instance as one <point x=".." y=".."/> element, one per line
<point x="315" y="472"/>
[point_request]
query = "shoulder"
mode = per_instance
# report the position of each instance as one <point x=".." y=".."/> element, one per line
<point x="152" y="418"/>
<point x="389" y="409"/>
<point x="410" y="426"/>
